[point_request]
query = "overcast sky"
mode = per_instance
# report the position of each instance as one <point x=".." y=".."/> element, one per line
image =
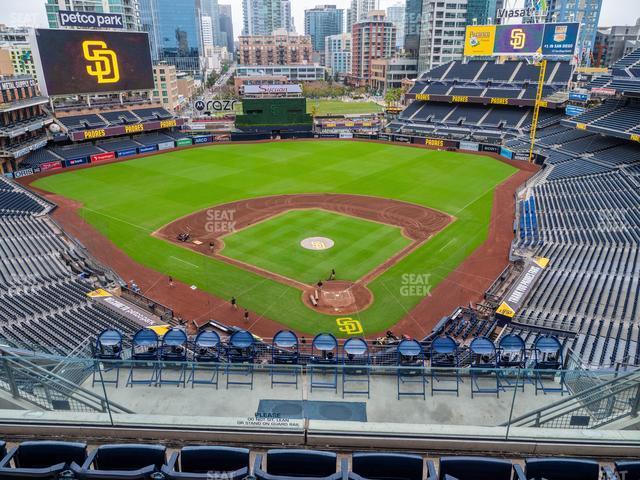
<point x="32" y="12"/>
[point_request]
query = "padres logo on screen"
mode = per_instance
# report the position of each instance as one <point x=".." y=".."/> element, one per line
<point x="518" y="38"/>
<point x="104" y="62"/>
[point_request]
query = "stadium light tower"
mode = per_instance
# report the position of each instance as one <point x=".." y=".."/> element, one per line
<point x="542" y="64"/>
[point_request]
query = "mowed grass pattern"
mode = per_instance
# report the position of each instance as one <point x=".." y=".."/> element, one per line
<point x="274" y="245"/>
<point x="127" y="201"/>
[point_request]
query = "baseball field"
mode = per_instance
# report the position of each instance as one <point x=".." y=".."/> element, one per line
<point x="260" y="260"/>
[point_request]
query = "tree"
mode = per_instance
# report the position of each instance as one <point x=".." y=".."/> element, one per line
<point x="393" y="96"/>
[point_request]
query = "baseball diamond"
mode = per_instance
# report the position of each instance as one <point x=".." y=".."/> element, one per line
<point x="441" y="201"/>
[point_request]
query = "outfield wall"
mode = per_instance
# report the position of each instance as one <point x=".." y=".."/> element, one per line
<point x="203" y="140"/>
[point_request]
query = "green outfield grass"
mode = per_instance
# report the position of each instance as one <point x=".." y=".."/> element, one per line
<point x="337" y="107"/>
<point x="274" y="245"/>
<point x="127" y="201"/>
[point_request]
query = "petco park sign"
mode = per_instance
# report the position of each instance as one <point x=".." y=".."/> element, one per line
<point x="73" y="18"/>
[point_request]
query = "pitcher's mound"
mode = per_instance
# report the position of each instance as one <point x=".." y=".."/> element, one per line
<point x="338" y="297"/>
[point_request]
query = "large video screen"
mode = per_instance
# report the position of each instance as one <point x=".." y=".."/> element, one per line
<point x="92" y="61"/>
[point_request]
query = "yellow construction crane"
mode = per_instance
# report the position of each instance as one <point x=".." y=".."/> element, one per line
<point x="539" y="103"/>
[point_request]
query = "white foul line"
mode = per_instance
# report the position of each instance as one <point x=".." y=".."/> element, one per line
<point x="184" y="261"/>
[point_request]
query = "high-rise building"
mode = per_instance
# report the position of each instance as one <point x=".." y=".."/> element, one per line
<point x="613" y="43"/>
<point x="287" y="18"/>
<point x="337" y="50"/>
<point x="481" y="12"/>
<point x="412" y="23"/>
<point x="281" y="48"/>
<point x="16" y="51"/>
<point x="359" y="11"/>
<point x="166" y="86"/>
<point x="396" y="15"/>
<point x="263" y="17"/>
<point x="175" y="32"/>
<point x="226" y="26"/>
<point x="372" y="38"/>
<point x="321" y="22"/>
<point x="207" y="31"/>
<point x="209" y="8"/>
<point x="127" y="8"/>
<point x="442" y="31"/>
<point x="585" y="12"/>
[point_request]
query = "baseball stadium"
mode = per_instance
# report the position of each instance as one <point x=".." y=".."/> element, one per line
<point x="445" y="291"/>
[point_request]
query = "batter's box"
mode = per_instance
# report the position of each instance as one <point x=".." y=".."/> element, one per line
<point x="337" y="298"/>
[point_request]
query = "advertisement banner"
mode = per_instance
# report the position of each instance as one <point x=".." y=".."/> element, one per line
<point x="102" y="157"/>
<point x="346" y="135"/>
<point x="94" y="61"/>
<point x="573" y="110"/>
<point x="385" y="137"/>
<point x="469" y="146"/>
<point x="222" y="138"/>
<point x="521" y="156"/>
<point x="25" y="172"/>
<point x="44" y="167"/>
<point x="579" y="97"/>
<point x="147" y="148"/>
<point x="166" y="145"/>
<point x="75" y="18"/>
<point x="203" y="139"/>
<point x="604" y="91"/>
<point x="75" y="161"/>
<point x="182" y="142"/>
<point x="490" y="148"/>
<point x="525" y="39"/>
<point x="560" y="39"/>
<point x="479" y="40"/>
<point x="127" y="152"/>
<point x="506" y="153"/>
<point x="326" y="135"/>
<point x="518" y="293"/>
<point x="401" y="139"/>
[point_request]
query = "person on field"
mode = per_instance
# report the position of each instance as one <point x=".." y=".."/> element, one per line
<point x="332" y="275"/>
<point x="320" y="284"/>
<point x="246" y="315"/>
<point x="234" y="303"/>
<point x="170" y="281"/>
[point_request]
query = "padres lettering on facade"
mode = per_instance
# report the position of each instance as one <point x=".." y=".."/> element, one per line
<point x="434" y="142"/>
<point x="635" y="137"/>
<point x="138" y="127"/>
<point x="500" y="101"/>
<point x="89" y="134"/>
<point x="460" y="99"/>
<point x="167" y="123"/>
<point x="423" y="96"/>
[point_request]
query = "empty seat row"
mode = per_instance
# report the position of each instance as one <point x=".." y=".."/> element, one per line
<point x="56" y="459"/>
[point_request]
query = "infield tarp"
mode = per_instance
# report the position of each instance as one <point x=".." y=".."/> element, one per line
<point x="517" y="294"/>
<point x="125" y="308"/>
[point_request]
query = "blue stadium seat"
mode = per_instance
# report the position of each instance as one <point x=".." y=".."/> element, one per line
<point x="386" y="466"/>
<point x="205" y="462"/>
<point x="41" y="459"/>
<point x="123" y="462"/>
<point x="559" y="469"/>
<point x="286" y="464"/>
<point x="624" y="470"/>
<point x="471" y="468"/>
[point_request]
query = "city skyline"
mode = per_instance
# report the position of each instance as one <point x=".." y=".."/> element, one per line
<point x="32" y="12"/>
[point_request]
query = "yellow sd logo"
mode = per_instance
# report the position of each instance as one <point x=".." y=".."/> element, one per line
<point x="518" y="38"/>
<point x="104" y="64"/>
<point x="350" y="326"/>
